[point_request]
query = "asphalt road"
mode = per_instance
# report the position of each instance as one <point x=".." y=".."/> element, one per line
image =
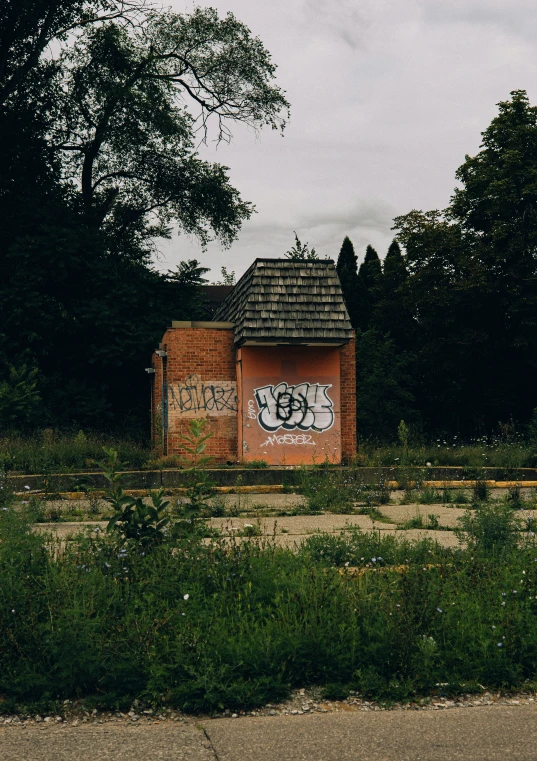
<point x="488" y="733"/>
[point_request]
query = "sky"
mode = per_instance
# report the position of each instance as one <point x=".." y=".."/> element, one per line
<point x="387" y="97"/>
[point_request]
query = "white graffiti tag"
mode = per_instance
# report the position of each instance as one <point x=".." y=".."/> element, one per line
<point x="296" y="439"/>
<point x="305" y="406"/>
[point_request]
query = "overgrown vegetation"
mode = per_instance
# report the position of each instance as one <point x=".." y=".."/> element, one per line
<point x="237" y="624"/>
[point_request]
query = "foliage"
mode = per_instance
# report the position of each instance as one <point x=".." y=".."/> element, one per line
<point x="347" y="270"/>
<point x="133" y="518"/>
<point x="200" y="489"/>
<point x="301" y="251"/>
<point x="103" y="103"/>
<point x="382" y="388"/>
<point x="66" y="452"/>
<point x="205" y="627"/>
<point x="337" y="491"/>
<point x="19" y="397"/>
<point x="490" y="529"/>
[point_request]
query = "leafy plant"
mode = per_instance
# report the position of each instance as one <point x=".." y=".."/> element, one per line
<point x="490" y="529"/>
<point x="133" y="518"/>
<point x="200" y="488"/>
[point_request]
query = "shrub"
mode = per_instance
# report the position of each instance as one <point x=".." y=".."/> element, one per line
<point x="490" y="529"/>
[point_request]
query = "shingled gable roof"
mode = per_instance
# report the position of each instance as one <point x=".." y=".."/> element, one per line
<point x="285" y="301"/>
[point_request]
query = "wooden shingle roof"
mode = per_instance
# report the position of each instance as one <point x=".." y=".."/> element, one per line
<point x="285" y="301"/>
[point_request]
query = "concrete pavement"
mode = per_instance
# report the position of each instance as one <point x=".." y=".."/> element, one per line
<point x="486" y="733"/>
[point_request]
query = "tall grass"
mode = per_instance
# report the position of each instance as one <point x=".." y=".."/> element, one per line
<point x="210" y="626"/>
<point x="51" y="452"/>
<point x="478" y="454"/>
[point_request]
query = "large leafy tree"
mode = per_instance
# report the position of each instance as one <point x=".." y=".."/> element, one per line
<point x="473" y="281"/>
<point x="100" y="161"/>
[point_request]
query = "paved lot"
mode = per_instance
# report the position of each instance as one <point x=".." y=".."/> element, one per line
<point x="107" y="742"/>
<point x="492" y="733"/>
<point x="478" y="734"/>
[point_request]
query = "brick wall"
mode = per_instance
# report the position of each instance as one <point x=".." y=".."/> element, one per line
<point x="201" y="377"/>
<point x="348" y="400"/>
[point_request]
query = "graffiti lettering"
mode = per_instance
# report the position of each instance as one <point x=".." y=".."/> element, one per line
<point x="305" y="406"/>
<point x="251" y="410"/>
<point x="295" y="439"/>
<point x="195" y="396"/>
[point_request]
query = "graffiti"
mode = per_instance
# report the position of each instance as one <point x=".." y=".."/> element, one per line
<point x="195" y="397"/>
<point x="252" y="414"/>
<point x="296" y="439"/>
<point x="305" y="406"/>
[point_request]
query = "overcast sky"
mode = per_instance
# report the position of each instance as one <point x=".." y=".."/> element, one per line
<point x="387" y="97"/>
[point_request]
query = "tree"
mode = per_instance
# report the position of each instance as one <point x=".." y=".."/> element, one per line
<point x="368" y="288"/>
<point x="472" y="283"/>
<point x="347" y="269"/>
<point x="383" y="395"/>
<point x="29" y="27"/>
<point x="301" y="251"/>
<point x="391" y="315"/>
<point x="127" y="136"/>
<point x="99" y="162"/>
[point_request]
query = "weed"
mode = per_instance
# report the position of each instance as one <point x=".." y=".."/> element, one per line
<point x="481" y="491"/>
<point x="490" y="529"/>
<point x="253" y="464"/>
<point x="514" y="497"/>
<point x="133" y="518"/>
<point x="429" y="496"/>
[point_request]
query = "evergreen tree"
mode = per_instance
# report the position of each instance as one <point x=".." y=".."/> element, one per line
<point x="369" y="283"/>
<point x="392" y="315"/>
<point x="347" y="269"/>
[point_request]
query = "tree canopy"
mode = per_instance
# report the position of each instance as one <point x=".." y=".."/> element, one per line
<point x="102" y="105"/>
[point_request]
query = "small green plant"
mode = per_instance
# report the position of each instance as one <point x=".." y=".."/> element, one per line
<point x="432" y="521"/>
<point x="514" y="497"/>
<point x="429" y="496"/>
<point x="133" y="518"/>
<point x="200" y="489"/>
<point x="257" y="464"/>
<point x="454" y="496"/>
<point x="481" y="491"/>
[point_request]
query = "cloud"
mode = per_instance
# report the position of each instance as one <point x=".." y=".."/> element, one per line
<point x="515" y="17"/>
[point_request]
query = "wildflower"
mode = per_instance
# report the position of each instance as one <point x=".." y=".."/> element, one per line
<point x="397" y="606"/>
<point x="373" y="560"/>
<point x="27" y="488"/>
<point x="440" y="610"/>
<point x="503" y="594"/>
<point x="493" y="627"/>
<point x="500" y="644"/>
<point x="183" y="614"/>
<point x="185" y="597"/>
<point x="514" y="591"/>
<point x="503" y="603"/>
<point x="13" y="610"/>
<point x="107" y="565"/>
<point x="428" y="464"/>
<point x="347" y="564"/>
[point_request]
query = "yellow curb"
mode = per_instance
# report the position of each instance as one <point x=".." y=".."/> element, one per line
<point x="465" y="484"/>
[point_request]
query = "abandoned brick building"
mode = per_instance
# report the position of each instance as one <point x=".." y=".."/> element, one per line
<point x="273" y="371"/>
